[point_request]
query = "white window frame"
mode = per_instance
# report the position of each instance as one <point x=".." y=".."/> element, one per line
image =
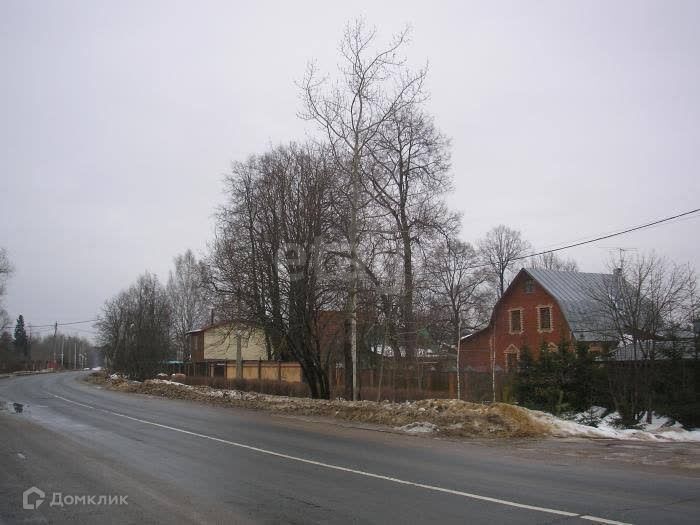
<point x="510" y="321"/>
<point x="539" y="319"/>
<point x="511" y="350"/>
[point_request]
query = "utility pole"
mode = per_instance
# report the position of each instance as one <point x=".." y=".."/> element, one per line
<point x="62" y="344"/>
<point x="352" y="299"/>
<point x="493" y="361"/>
<point x="29" y="347"/>
<point x="55" y="330"/>
<point x="239" y="357"/>
<point x="75" y="355"/>
<point x="459" y="372"/>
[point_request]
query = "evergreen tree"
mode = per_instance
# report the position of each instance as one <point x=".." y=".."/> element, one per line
<point x="21" y="341"/>
<point x="560" y="380"/>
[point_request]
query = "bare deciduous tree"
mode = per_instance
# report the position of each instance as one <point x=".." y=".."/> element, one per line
<point x="646" y="299"/>
<point x="374" y="84"/>
<point x="6" y="270"/>
<point x="189" y="303"/>
<point x="500" y="250"/>
<point x="267" y="264"/>
<point x="550" y="261"/>
<point x="134" y="329"/>
<point x="455" y="285"/>
<point x="408" y="183"/>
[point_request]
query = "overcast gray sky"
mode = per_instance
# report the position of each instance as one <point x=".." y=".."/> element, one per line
<point x="119" y="120"/>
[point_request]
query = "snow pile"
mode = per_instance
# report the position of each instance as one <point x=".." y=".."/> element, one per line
<point x="166" y="382"/>
<point x="660" y="429"/>
<point x="419" y="427"/>
<point x="211" y="392"/>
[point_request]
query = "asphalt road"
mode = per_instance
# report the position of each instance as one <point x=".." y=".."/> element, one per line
<point x="183" y="462"/>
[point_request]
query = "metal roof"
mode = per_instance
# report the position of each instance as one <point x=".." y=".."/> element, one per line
<point x="575" y="292"/>
<point x="659" y="350"/>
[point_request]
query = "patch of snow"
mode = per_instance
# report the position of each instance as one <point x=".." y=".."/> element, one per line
<point x="419" y="427"/>
<point x="660" y="429"/>
<point x="168" y="382"/>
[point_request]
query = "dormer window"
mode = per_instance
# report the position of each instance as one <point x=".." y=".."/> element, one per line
<point x="529" y="286"/>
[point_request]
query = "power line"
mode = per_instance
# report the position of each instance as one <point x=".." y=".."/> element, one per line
<point x="474" y="267"/>
<point x="64" y="324"/>
<point x="581" y="243"/>
<point x="603" y="237"/>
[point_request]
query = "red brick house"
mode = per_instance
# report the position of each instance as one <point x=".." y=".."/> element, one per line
<point x="539" y="307"/>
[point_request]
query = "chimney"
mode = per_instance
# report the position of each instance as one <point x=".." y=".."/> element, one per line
<point x="211" y="316"/>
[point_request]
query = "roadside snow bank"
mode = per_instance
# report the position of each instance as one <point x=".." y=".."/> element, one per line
<point x="449" y="417"/>
<point x="660" y="429"/>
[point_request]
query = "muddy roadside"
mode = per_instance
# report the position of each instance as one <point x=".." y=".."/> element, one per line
<point x="447" y="417"/>
<point x="510" y="429"/>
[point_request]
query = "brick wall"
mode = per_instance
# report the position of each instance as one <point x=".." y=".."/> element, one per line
<point x="476" y="350"/>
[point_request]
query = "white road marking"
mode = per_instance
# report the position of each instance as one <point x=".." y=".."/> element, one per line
<point x="602" y="520"/>
<point x="353" y="471"/>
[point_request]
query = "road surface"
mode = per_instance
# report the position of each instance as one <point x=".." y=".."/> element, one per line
<point x="182" y="462"/>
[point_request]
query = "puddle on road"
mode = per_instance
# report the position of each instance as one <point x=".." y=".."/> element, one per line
<point x="16" y="408"/>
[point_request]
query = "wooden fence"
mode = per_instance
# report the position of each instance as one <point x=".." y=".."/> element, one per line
<point x="405" y="385"/>
<point x="284" y="371"/>
<point x="393" y="384"/>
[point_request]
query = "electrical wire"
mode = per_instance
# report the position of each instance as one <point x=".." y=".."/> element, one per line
<point x="603" y="237"/>
<point x="64" y="324"/>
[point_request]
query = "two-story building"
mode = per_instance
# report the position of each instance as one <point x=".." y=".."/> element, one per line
<point x="214" y="349"/>
<point x="539" y="307"/>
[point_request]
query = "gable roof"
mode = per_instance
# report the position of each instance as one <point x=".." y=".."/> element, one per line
<point x="219" y="324"/>
<point x="574" y="292"/>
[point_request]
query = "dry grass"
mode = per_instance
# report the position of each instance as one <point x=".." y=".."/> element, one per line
<point x="452" y="417"/>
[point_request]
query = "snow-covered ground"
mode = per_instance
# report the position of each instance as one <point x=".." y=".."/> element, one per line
<point x="660" y="429"/>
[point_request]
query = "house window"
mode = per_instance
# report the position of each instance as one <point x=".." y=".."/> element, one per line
<point x="529" y="286"/>
<point x="544" y="318"/>
<point x="516" y="321"/>
<point x="511" y="355"/>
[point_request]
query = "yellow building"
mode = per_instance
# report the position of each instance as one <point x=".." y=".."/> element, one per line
<point x="221" y="343"/>
<point x="214" y="351"/>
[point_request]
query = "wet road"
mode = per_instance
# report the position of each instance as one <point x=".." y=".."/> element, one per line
<point x="182" y="462"/>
